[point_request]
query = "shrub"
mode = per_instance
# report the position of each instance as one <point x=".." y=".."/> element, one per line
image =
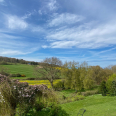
<point x="48" y="111"/>
<point x="3" y="63"/>
<point x="30" y="79"/>
<point x="39" y="106"/>
<point x="113" y="88"/>
<point x="57" y="111"/>
<point x="4" y="71"/>
<point x="59" y="85"/>
<point x="103" y="89"/>
<point x="76" y="97"/>
<point x="16" y="93"/>
<point x="87" y="93"/>
<point x="23" y="75"/>
<point x="24" y="96"/>
<point x="18" y="75"/>
<point x="111" y="85"/>
<point x="13" y="75"/>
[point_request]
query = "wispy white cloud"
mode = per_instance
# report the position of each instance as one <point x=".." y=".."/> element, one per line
<point x="48" y="7"/>
<point x="40" y="12"/>
<point x="17" y="52"/>
<point x="108" y="54"/>
<point x="52" y="5"/>
<point x="63" y="44"/>
<point x="108" y="50"/>
<point x="16" y="45"/>
<point x="37" y="29"/>
<point x="26" y="16"/>
<point x="11" y="52"/>
<point x="44" y="46"/>
<point x="65" y="18"/>
<point x="97" y="36"/>
<point x="14" y="22"/>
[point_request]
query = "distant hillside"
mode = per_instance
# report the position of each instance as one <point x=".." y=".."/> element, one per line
<point x="7" y="60"/>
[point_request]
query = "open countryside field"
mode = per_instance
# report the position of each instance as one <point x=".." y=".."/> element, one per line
<point x="95" y="105"/>
<point x="25" y="69"/>
<point x="38" y="82"/>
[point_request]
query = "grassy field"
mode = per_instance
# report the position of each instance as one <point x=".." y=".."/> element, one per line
<point x="95" y="105"/>
<point x="27" y="70"/>
<point x="38" y="82"/>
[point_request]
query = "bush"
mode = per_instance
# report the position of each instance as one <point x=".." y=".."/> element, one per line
<point x="3" y="63"/>
<point x="59" y="85"/>
<point x="13" y="75"/>
<point x="76" y="97"/>
<point x="39" y="107"/>
<point x="102" y="88"/>
<point x="24" y="96"/>
<point x="23" y="75"/>
<point x="48" y="111"/>
<point x="111" y="85"/>
<point x="57" y="111"/>
<point x="4" y="71"/>
<point x="87" y="93"/>
<point x="30" y="79"/>
<point x="17" y="93"/>
<point x="18" y="75"/>
<point x="113" y="88"/>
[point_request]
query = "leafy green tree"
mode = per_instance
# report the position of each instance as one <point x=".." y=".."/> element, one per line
<point x="103" y="88"/>
<point x="50" y="70"/>
<point x="68" y="78"/>
<point x="71" y="74"/>
<point x="110" y="84"/>
<point x="89" y="81"/>
<point x="97" y="73"/>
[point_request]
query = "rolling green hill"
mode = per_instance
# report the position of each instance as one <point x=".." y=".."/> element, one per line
<point x="25" y="69"/>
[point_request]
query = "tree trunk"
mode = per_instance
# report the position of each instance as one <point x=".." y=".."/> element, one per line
<point x="51" y="82"/>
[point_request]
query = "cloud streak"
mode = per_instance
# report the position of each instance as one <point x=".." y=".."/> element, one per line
<point x="15" y="22"/>
<point x="64" y="19"/>
<point x="83" y="36"/>
<point x="52" y="5"/>
<point x="15" y="45"/>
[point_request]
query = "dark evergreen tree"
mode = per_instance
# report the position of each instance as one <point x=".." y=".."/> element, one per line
<point x="103" y="88"/>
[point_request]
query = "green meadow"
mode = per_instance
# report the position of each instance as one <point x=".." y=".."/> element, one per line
<point x="25" y="69"/>
<point x="95" y="105"/>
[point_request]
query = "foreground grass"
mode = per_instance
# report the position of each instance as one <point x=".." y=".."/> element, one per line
<point x="28" y="70"/>
<point x="95" y="105"/>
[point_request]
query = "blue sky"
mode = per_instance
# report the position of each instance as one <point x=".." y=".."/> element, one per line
<point x="80" y="30"/>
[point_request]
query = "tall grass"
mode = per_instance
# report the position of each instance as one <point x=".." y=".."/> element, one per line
<point x="7" y="97"/>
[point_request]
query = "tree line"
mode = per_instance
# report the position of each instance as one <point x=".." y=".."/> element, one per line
<point x="74" y="75"/>
<point x="7" y="60"/>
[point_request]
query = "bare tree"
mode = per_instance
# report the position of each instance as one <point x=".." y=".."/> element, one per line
<point x="50" y="69"/>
